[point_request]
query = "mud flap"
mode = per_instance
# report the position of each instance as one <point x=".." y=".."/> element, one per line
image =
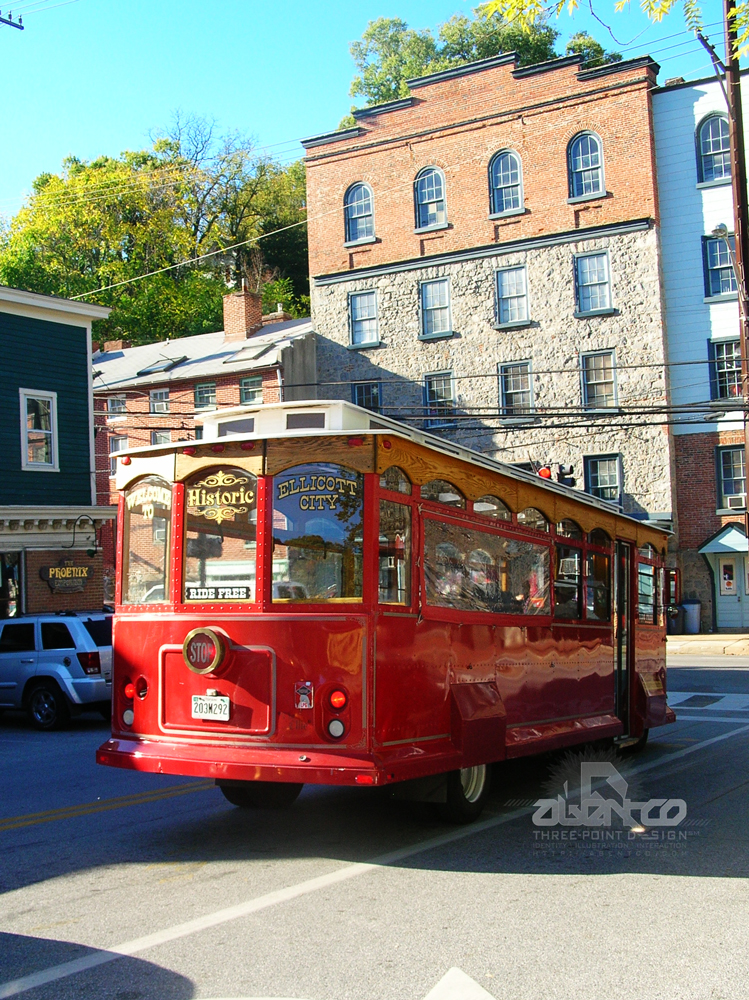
<point x="651" y="706"/>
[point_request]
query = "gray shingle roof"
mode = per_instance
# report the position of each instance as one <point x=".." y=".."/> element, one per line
<point x="207" y="354"/>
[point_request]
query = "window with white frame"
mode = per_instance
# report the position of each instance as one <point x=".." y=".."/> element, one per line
<point x="116" y="405"/>
<point x="117" y="442"/>
<point x="439" y="399"/>
<point x="725" y="369"/>
<point x="161" y="437"/>
<point x="603" y="477"/>
<point x="205" y="396"/>
<point x="435" y="308"/>
<point x="159" y="400"/>
<point x="368" y="395"/>
<point x="720" y="277"/>
<point x="251" y="390"/>
<point x="731" y="477"/>
<point x="39" y="431"/>
<point x="363" y="311"/>
<point x="713" y="150"/>
<point x="505" y="183"/>
<point x="512" y="296"/>
<point x="592" y="283"/>
<point x="358" y="213"/>
<point x="516" y="389"/>
<point x="599" y="382"/>
<point x="585" y="158"/>
<point x="429" y="197"/>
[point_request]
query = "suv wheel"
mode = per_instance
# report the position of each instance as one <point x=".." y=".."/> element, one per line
<point x="47" y="707"/>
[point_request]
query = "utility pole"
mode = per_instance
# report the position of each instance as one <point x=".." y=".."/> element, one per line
<point x="10" y="22"/>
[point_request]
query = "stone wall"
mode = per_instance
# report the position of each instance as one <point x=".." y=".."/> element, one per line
<point x="552" y="342"/>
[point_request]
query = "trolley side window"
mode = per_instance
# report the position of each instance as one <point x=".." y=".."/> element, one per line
<point x="646" y="586"/>
<point x="476" y="571"/>
<point x="317" y="534"/>
<point x="598" y="587"/>
<point x="395" y="553"/>
<point x="148" y="509"/>
<point x="220" y="535"/>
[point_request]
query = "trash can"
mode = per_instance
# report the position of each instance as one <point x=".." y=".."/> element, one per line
<point x="692" y="610"/>
<point x="675" y="621"/>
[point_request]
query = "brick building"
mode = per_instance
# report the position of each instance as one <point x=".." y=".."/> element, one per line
<point x="484" y="262"/>
<point x="702" y="322"/>
<point x="152" y="394"/>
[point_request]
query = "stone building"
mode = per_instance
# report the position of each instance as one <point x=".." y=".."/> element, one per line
<point x="702" y="323"/>
<point x="484" y="262"/>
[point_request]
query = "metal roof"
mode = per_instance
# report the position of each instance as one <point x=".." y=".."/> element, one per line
<point x="201" y="356"/>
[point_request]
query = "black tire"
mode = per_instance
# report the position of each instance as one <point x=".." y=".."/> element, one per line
<point x="104" y="709"/>
<point x="638" y="746"/>
<point x="260" y="794"/>
<point x="47" y="707"/>
<point x="467" y="792"/>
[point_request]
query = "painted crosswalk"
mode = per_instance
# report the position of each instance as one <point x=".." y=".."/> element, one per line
<point x="715" y="702"/>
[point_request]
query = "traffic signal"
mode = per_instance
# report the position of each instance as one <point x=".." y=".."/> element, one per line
<point x="545" y="472"/>
<point x="564" y="475"/>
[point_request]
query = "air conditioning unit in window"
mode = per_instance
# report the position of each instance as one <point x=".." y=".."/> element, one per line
<point x="737" y="501"/>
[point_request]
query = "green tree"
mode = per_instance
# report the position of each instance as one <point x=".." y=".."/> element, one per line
<point x="464" y="39"/>
<point x="112" y="220"/>
<point x="592" y="52"/>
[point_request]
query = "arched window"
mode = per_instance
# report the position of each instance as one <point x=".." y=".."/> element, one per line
<point x="713" y="155"/>
<point x="505" y="183"/>
<point x="570" y="529"/>
<point x="440" y="491"/>
<point x="532" y="518"/>
<point x="429" y="198"/>
<point x="396" y="480"/>
<point x="491" y="506"/>
<point x="359" y="213"/>
<point x="599" y="537"/>
<point x="585" y="159"/>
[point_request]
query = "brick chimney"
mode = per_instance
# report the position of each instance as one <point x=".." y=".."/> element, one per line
<point x="116" y="345"/>
<point x="243" y="315"/>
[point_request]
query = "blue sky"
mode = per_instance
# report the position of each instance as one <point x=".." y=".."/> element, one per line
<point x="93" y="77"/>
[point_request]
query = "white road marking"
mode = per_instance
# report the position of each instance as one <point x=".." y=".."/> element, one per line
<point x="720" y="702"/>
<point x="709" y="718"/>
<point x="127" y="948"/>
<point x="456" y="985"/>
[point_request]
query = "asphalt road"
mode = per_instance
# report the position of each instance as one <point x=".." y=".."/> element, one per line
<point x="127" y="886"/>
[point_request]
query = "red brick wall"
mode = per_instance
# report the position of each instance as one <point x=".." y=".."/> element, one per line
<point x="40" y="599"/>
<point x="696" y="488"/>
<point x="536" y="116"/>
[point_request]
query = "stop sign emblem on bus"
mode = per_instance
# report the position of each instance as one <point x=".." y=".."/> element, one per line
<point x="303" y="695"/>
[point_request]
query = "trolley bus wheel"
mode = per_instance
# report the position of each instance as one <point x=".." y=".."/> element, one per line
<point x="260" y="794"/>
<point x="639" y="745"/>
<point x="467" y="791"/>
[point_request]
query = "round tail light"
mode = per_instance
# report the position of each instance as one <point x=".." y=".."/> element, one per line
<point x="338" y="699"/>
<point x="203" y="650"/>
<point x="129" y="690"/>
<point x="336" y="728"/>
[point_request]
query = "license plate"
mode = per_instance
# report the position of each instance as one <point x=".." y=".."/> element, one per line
<point x="208" y="706"/>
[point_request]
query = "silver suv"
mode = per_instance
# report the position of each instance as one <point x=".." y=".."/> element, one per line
<point x="55" y="666"/>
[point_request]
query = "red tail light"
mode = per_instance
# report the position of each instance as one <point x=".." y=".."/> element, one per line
<point x="129" y="690"/>
<point x="338" y="699"/>
<point x="90" y="662"/>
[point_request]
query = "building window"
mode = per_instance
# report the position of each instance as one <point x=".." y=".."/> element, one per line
<point x="585" y="166"/>
<point x="603" y="477"/>
<point x="599" y="384"/>
<point x="358" y="213"/>
<point x="720" y="277"/>
<point x="205" y="396"/>
<point x="363" y="311"/>
<point x="435" y="308"/>
<point x="38" y="431"/>
<point x="516" y="389"/>
<point x="368" y="395"/>
<point x="429" y="195"/>
<point x="439" y="399"/>
<point x="512" y="296"/>
<point x="725" y="369"/>
<point x="731" y="478"/>
<point x="116" y="405"/>
<point x="713" y="151"/>
<point x="505" y="183"/>
<point x="251" y="390"/>
<point x="159" y="399"/>
<point x="592" y="283"/>
<point x="117" y="442"/>
<point x="161" y="437"/>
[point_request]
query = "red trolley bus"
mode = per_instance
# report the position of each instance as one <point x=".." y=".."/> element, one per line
<point x="315" y="593"/>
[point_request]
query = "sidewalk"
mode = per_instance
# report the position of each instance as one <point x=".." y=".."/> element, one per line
<point x="713" y="644"/>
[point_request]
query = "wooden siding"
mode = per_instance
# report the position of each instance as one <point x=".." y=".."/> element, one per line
<point x="50" y="357"/>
